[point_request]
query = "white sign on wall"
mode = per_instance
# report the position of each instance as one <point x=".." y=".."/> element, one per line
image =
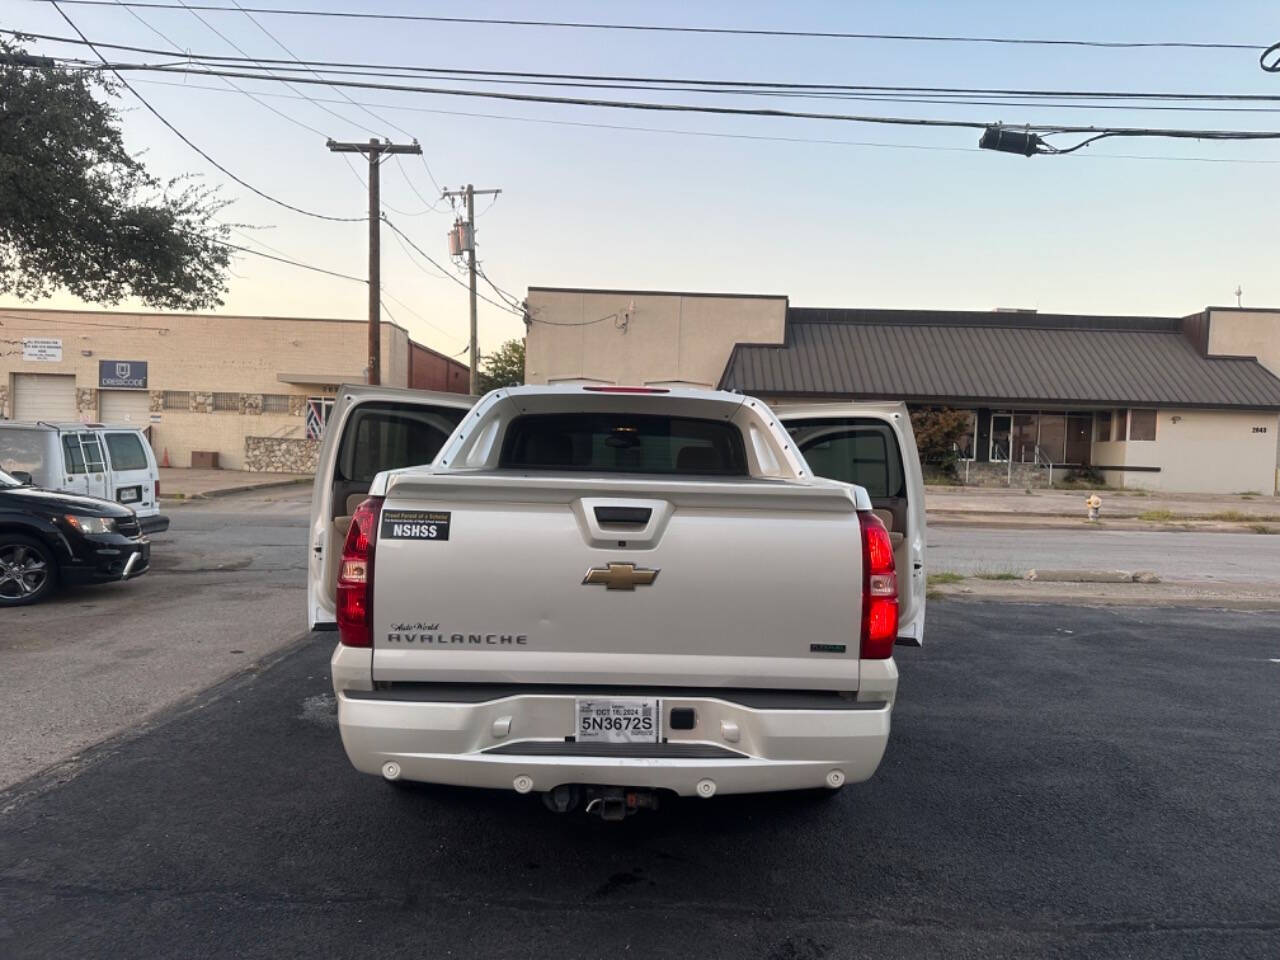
<point x="42" y="349"/>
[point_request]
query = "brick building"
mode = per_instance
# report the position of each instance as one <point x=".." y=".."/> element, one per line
<point x="252" y="390"/>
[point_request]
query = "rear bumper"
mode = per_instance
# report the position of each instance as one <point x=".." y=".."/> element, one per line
<point x="740" y="748"/>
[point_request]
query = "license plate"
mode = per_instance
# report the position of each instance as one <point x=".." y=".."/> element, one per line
<point x="618" y="721"/>
<point x="129" y="494"/>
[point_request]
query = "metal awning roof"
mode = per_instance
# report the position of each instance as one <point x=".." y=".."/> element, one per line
<point x="320" y="379"/>
<point x="958" y="357"/>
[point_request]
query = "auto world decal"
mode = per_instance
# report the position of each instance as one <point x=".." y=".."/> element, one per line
<point x="430" y="635"/>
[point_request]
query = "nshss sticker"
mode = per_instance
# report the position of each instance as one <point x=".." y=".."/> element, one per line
<point x="415" y="525"/>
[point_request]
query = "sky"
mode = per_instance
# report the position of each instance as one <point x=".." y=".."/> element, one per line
<point x="890" y="217"/>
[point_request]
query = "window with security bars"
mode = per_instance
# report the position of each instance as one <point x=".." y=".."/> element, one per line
<point x="275" y="403"/>
<point x="177" y="400"/>
<point x="226" y="403"/>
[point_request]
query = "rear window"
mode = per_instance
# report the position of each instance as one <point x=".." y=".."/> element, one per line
<point x="622" y="443"/>
<point x="22" y="450"/>
<point x="126" y="452"/>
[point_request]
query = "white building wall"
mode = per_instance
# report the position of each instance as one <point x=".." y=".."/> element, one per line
<point x="1199" y="451"/>
<point x="602" y="336"/>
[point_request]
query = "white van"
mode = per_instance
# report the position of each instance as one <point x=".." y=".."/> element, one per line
<point x="92" y="459"/>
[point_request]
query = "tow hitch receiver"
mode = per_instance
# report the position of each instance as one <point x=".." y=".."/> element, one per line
<point x="607" y="803"/>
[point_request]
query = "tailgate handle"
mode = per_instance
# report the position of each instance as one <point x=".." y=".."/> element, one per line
<point x="639" y="516"/>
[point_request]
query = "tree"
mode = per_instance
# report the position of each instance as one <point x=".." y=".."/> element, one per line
<point x="937" y="432"/>
<point x="79" y="213"/>
<point x="504" y="367"/>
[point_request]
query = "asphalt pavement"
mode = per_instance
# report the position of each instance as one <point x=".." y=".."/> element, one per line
<point x="1061" y="781"/>
<point x="225" y="588"/>
<point x="1174" y="555"/>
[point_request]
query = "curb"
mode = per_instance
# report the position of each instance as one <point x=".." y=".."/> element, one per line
<point x="1005" y="521"/>
<point x="1202" y="603"/>
<point x="239" y="488"/>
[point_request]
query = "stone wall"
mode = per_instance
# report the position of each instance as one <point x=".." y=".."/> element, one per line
<point x="997" y="475"/>
<point x="4" y="401"/>
<point x="280" y="454"/>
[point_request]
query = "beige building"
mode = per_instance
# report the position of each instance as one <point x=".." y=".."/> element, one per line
<point x="251" y="391"/>
<point x="1173" y="403"/>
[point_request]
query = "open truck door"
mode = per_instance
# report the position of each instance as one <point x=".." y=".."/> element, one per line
<point x="370" y="429"/>
<point x="872" y="445"/>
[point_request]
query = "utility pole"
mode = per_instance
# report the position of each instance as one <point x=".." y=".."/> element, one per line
<point x="467" y="243"/>
<point x="374" y="150"/>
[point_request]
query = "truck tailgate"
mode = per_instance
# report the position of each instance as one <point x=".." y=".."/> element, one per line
<point x="503" y="590"/>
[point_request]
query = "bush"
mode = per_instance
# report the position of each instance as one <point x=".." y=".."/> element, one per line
<point x="937" y="433"/>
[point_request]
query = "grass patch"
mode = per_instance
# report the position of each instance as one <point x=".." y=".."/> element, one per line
<point x="938" y="579"/>
<point x="1157" y="516"/>
<point x="1248" y="494"/>
<point x="1230" y="516"/>
<point x="1261" y="528"/>
<point x="997" y="576"/>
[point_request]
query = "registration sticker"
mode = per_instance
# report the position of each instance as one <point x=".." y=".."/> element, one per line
<point x="415" y="524"/>
<point x="618" y="721"/>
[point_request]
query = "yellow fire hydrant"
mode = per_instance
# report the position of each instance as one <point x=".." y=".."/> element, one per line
<point x="1094" y="503"/>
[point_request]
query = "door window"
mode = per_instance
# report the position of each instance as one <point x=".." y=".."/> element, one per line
<point x="72" y="453"/>
<point x="1001" y="427"/>
<point x="867" y="456"/>
<point x="388" y="436"/>
<point x="94" y="462"/>
<point x="126" y="452"/>
<point x="1025" y="437"/>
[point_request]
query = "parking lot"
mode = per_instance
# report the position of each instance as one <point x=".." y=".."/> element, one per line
<point x="1061" y="781"/>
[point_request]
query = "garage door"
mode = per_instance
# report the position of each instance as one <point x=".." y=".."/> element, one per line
<point x="125" y="406"/>
<point x="44" y="396"/>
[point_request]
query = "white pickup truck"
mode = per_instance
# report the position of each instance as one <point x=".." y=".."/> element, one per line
<point x="598" y="593"/>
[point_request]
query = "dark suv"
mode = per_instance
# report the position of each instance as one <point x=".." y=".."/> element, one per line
<point x="47" y="538"/>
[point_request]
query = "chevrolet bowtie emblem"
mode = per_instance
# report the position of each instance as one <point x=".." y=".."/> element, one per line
<point x="620" y="576"/>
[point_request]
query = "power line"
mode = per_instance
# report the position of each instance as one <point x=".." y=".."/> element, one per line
<point x="429" y="205"/>
<point x="381" y="119"/>
<point x="737" y="87"/>
<point x="461" y="73"/>
<point x="574" y="323"/>
<point x="510" y="299"/>
<point x="272" y="37"/>
<point x="425" y="256"/>
<point x="266" y="65"/>
<point x="292" y="263"/>
<point x="714" y="134"/>
<point x="183" y="137"/>
<point x="230" y="83"/>
<point x="723" y="31"/>
<point x="403" y="246"/>
<point x="1175" y="133"/>
<point x="395" y="299"/>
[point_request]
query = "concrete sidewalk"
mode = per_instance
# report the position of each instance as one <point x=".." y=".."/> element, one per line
<point x="1121" y="509"/>
<point x="182" y="483"/>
